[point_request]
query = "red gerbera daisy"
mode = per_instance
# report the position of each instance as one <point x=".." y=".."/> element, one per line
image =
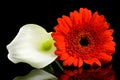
<point x="83" y="37"/>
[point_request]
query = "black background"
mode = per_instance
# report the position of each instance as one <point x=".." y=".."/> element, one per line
<point x="45" y="13"/>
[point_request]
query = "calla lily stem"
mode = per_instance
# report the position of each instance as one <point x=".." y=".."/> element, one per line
<point x="59" y="65"/>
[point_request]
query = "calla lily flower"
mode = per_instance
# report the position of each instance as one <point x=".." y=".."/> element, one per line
<point x="32" y="45"/>
<point x="37" y="74"/>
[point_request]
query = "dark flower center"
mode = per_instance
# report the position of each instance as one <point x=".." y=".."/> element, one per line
<point x="81" y="41"/>
<point x="84" y="41"/>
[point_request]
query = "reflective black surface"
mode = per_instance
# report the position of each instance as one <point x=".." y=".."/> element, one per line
<point x="45" y="13"/>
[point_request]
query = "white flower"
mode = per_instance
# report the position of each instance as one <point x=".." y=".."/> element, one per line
<point x="32" y="45"/>
<point x="37" y="74"/>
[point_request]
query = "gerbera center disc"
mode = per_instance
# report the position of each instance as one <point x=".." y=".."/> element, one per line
<point x="84" y="41"/>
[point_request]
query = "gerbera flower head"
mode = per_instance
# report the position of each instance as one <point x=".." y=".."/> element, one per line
<point x="32" y="45"/>
<point x="83" y="37"/>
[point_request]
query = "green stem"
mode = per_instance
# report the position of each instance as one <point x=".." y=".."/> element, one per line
<point x="51" y="68"/>
<point x="59" y="65"/>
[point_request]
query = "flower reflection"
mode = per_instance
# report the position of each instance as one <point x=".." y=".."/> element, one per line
<point x="105" y="73"/>
<point x="37" y="74"/>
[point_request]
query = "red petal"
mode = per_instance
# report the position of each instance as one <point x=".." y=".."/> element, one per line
<point x="104" y="58"/>
<point x="63" y="26"/>
<point x="74" y="16"/>
<point x="97" y="62"/>
<point x="70" y="61"/>
<point x="65" y="63"/>
<point x="64" y="56"/>
<point x="85" y="15"/>
<point x="92" y="61"/>
<point x="109" y="32"/>
<point x="80" y="62"/>
<point x="68" y="21"/>
<point x="75" y="62"/>
<point x="93" y="18"/>
<point x="57" y="36"/>
<point x="109" y="47"/>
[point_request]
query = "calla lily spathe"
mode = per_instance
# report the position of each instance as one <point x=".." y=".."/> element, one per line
<point x="32" y="45"/>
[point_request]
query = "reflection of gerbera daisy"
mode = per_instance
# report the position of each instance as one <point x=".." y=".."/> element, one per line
<point x="83" y="37"/>
<point x="105" y="73"/>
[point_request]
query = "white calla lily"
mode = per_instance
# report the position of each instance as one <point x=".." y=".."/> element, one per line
<point x="32" y="45"/>
<point x="37" y="74"/>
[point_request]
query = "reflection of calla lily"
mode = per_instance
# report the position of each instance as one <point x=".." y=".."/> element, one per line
<point x="105" y="73"/>
<point x="37" y="74"/>
<point x="32" y="45"/>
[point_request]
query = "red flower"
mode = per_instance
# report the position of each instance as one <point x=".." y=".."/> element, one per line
<point x="83" y="37"/>
<point x="105" y="73"/>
